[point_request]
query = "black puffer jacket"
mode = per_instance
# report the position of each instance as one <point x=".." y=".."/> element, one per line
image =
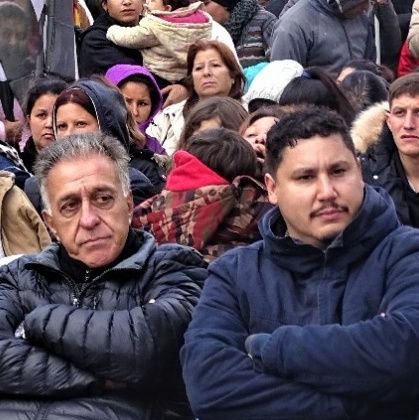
<point x="97" y="54"/>
<point x="125" y="325"/>
<point x="380" y="168"/>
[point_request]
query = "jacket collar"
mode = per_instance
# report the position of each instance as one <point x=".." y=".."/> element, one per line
<point x="375" y="220"/>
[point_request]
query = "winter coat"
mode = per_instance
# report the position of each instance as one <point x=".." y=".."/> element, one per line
<point x="10" y="161"/>
<point x="368" y="126"/>
<point x="381" y="166"/>
<point x="276" y="6"/>
<point x="97" y="54"/>
<point x="408" y="63"/>
<point x="199" y="208"/>
<point x="164" y="38"/>
<point x="111" y="112"/>
<point x="413" y="35"/>
<point x="314" y="34"/>
<point x="379" y="158"/>
<point x="167" y="126"/>
<point x="123" y="325"/>
<point x="390" y="33"/>
<point x="22" y="229"/>
<point x="344" y="325"/>
<point x="29" y="154"/>
<point x="253" y="47"/>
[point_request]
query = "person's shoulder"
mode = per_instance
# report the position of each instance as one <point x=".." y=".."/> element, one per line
<point x="242" y="256"/>
<point x="174" y="108"/>
<point x="264" y="14"/>
<point x="185" y="255"/>
<point x="401" y="243"/>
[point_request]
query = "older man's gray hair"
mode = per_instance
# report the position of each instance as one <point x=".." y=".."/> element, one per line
<point x="81" y="145"/>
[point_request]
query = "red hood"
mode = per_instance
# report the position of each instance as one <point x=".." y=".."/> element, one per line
<point x="189" y="173"/>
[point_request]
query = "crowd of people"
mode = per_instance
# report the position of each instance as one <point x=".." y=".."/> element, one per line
<point x="217" y="219"/>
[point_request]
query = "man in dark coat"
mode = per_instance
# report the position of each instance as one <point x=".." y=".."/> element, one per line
<point x="320" y="319"/>
<point x="97" y="54"/>
<point x="393" y="163"/>
<point x="90" y="328"/>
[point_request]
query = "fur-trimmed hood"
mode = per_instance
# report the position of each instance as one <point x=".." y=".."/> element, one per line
<point x="368" y="126"/>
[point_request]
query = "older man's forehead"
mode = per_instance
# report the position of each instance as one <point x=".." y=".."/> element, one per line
<point x="93" y="172"/>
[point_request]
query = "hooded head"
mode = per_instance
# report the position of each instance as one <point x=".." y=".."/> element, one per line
<point x="120" y="74"/>
<point x="108" y="104"/>
<point x="271" y="81"/>
<point x="348" y="8"/>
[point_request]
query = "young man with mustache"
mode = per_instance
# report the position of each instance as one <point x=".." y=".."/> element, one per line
<point x="320" y="319"/>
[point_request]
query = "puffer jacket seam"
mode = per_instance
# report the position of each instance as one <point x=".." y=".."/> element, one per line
<point x="84" y="348"/>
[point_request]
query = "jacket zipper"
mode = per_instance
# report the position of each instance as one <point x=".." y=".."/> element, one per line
<point x="77" y="293"/>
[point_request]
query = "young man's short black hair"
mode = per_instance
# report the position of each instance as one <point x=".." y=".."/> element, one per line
<point x="305" y="123"/>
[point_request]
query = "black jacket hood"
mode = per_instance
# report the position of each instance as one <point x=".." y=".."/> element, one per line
<point x="110" y="108"/>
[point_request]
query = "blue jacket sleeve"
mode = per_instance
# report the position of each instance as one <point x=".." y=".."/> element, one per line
<point x="376" y="359"/>
<point x="31" y="370"/>
<point x="220" y="380"/>
<point x="131" y="346"/>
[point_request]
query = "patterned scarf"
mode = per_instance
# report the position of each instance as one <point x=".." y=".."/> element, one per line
<point x="240" y="16"/>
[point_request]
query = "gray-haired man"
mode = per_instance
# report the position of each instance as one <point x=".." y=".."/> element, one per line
<point x="90" y="327"/>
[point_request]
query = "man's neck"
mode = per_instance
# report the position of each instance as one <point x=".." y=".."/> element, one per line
<point x="411" y="169"/>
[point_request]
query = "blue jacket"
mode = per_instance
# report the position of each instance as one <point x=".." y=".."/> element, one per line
<point x="344" y="325"/>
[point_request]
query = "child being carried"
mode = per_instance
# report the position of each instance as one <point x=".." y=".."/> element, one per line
<point x="164" y="35"/>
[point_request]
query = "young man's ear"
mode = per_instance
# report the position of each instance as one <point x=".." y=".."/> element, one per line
<point x="271" y="187"/>
<point x="387" y="119"/>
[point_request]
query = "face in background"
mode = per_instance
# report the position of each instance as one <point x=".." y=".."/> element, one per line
<point x="318" y="188"/>
<point x="210" y="76"/>
<point x="89" y="213"/>
<point x="255" y="134"/>
<point x="125" y="12"/>
<point x="72" y="118"/>
<point x="403" y="122"/>
<point x="40" y="121"/>
<point x="137" y="97"/>
<point x="219" y="13"/>
<point x="158" y="5"/>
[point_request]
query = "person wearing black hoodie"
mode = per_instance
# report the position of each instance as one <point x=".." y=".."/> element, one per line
<point x="97" y="54"/>
<point x="110" y="115"/>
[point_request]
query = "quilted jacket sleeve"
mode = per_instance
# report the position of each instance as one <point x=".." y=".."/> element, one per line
<point x="26" y="369"/>
<point x="133" y="346"/>
<point x="139" y="36"/>
<point x="220" y="380"/>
